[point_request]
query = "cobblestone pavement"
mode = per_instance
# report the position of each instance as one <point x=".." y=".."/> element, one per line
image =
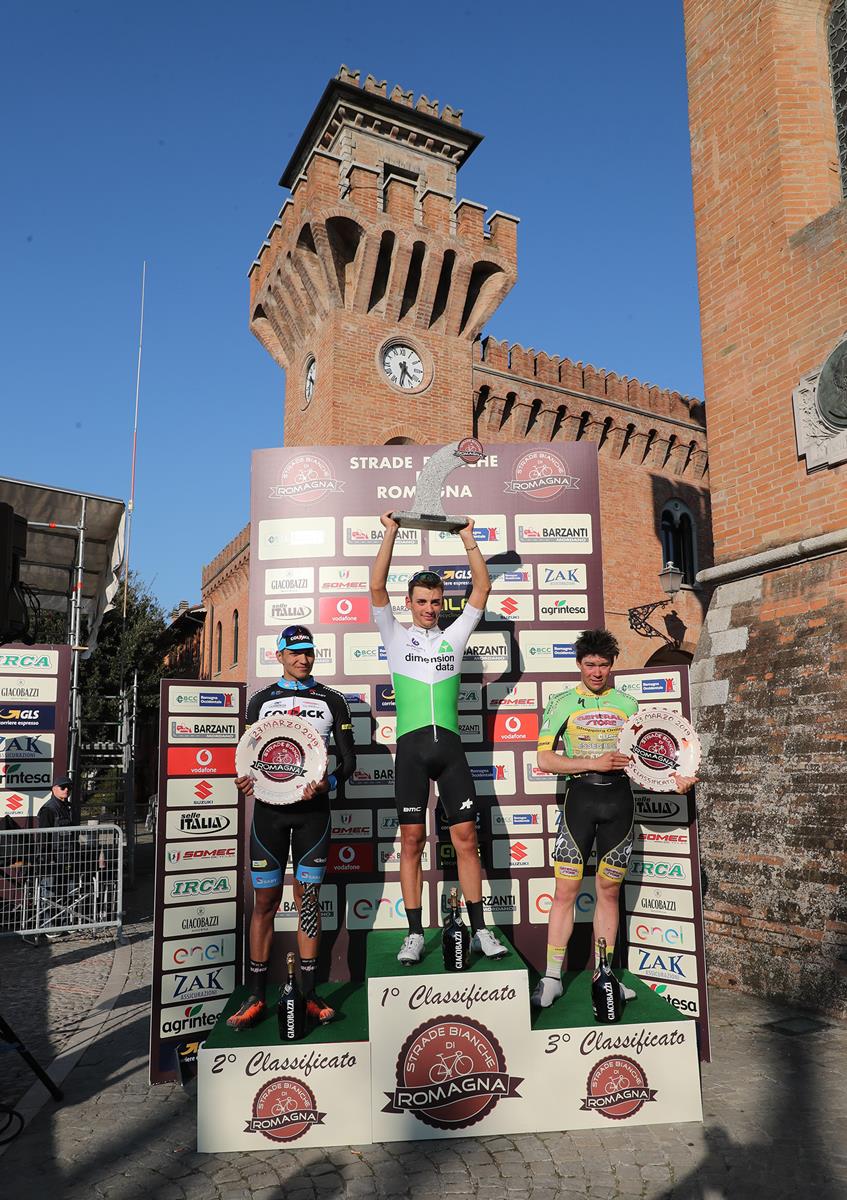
<point x="775" y="1114"/>
<point x="45" y="991"/>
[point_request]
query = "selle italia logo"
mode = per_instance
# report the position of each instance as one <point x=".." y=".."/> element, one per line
<point x="445" y="648"/>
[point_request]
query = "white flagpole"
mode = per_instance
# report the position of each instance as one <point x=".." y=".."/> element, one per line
<point x="131" y="505"/>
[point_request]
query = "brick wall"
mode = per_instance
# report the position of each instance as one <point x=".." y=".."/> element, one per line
<point x="225" y="589"/>
<point x="770" y="672"/>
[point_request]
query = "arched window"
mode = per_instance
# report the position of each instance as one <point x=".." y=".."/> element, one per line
<point x="837" y="40"/>
<point x="235" y="637"/>
<point x="679" y="540"/>
<point x="219" y="634"/>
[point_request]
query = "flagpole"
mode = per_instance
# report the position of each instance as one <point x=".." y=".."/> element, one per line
<point x="131" y="505"/>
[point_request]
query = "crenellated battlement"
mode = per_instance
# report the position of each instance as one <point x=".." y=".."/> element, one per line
<point x="453" y="116"/>
<point x="539" y="368"/>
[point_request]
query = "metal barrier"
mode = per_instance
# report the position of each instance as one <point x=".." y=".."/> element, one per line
<point x="61" y="880"/>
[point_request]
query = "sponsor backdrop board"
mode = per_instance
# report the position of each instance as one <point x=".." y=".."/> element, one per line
<point x="315" y="532"/>
<point x="34" y="714"/>
<point x="199" y="890"/>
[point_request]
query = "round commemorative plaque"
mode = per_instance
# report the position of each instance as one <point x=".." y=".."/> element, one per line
<point x="281" y="755"/>
<point x="660" y="743"/>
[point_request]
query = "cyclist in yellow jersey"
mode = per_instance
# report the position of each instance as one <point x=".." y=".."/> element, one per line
<point x="598" y="808"/>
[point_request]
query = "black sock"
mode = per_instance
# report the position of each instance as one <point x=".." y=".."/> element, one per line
<point x="414" y="917"/>
<point x="308" y="967"/>
<point x="475" y="914"/>
<point x="257" y="975"/>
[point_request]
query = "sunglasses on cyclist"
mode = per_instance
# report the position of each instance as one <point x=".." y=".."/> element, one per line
<point x="427" y="579"/>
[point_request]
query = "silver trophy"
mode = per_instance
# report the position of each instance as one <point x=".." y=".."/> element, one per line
<point x="428" y="512"/>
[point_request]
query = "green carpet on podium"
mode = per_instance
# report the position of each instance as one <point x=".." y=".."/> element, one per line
<point x="350" y="1001"/>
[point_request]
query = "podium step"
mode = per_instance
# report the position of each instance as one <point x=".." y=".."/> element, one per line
<point x="573" y="1008"/>
<point x="350" y="1001"/>
<point x="383" y="945"/>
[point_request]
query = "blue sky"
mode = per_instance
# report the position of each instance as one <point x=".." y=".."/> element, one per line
<point x="159" y="131"/>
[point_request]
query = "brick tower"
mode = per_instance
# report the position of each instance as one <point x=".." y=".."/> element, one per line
<point x="374" y="282"/>
<point x="768" y="113"/>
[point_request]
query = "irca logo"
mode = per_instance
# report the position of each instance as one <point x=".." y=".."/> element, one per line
<point x="29" y="661"/>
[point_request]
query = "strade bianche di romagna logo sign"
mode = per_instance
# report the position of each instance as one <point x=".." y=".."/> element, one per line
<point x="657" y="749"/>
<point x="451" y="1072"/>
<point x="541" y="475"/>
<point x="283" y="1110"/>
<point x="617" y="1088"/>
<point x="306" y="478"/>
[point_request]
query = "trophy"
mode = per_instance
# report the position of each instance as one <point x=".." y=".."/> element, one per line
<point x="428" y="511"/>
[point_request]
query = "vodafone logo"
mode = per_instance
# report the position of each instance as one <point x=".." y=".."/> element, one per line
<point x="344" y="608"/>
<point x="203" y="758"/>
<point x="345" y="859"/>
<point x="346" y="854"/>
<point x="512" y="727"/>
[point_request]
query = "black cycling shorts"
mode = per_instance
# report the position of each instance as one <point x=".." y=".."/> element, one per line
<point x="303" y="828"/>
<point x="600" y="813"/>
<point x="425" y="754"/>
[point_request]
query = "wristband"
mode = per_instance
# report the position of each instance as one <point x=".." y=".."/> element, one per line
<point x="332" y="781"/>
<point x="474" y="546"/>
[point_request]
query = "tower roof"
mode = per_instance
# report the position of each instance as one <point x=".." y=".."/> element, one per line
<point x="343" y="100"/>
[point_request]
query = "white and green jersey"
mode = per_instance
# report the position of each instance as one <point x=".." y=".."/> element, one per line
<point x="426" y="668"/>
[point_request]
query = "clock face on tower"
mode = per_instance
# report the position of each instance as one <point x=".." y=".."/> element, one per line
<point x="309" y="382"/>
<point x="403" y="366"/>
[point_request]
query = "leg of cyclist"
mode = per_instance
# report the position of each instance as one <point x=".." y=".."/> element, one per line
<point x="614" y="847"/>
<point x="411" y="794"/>
<point x="310" y="848"/>
<point x="269" y="829"/>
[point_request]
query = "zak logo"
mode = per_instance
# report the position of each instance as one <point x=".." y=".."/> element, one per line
<point x="306" y="478"/>
<point x="283" y="1110"/>
<point x="541" y="475"/>
<point x="617" y="1088"/>
<point x="451" y="1073"/>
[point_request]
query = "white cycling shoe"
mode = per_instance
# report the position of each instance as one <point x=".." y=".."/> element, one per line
<point x="412" y="949"/>
<point x="546" y="991"/>
<point x="484" y="942"/>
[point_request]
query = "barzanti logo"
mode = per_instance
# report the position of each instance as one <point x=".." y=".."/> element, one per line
<point x="541" y="475"/>
<point x="283" y="1110"/>
<point x="306" y="478"/>
<point x="451" y="1072"/>
<point x="617" y="1088"/>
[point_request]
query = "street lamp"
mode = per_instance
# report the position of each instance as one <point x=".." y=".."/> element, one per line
<point x="670" y="578"/>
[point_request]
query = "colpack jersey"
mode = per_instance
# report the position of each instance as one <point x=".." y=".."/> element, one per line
<point x="426" y="668"/>
<point x="588" y="724"/>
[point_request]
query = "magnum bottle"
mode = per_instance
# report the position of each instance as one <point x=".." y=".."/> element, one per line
<point x="606" y="998"/>
<point x="455" y="939"/>
<point x="291" y="1010"/>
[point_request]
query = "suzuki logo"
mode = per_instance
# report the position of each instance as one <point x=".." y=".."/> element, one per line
<point x="518" y="852"/>
<point x="14" y="803"/>
<point x="509" y="606"/>
<point x="203" y="790"/>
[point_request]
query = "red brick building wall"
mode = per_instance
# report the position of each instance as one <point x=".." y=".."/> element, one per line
<point x="224" y="590"/>
<point x="771" y="226"/>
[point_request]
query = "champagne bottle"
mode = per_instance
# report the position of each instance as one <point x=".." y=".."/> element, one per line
<point x="606" y="998"/>
<point x="455" y="939"/>
<point x="291" y="1010"/>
